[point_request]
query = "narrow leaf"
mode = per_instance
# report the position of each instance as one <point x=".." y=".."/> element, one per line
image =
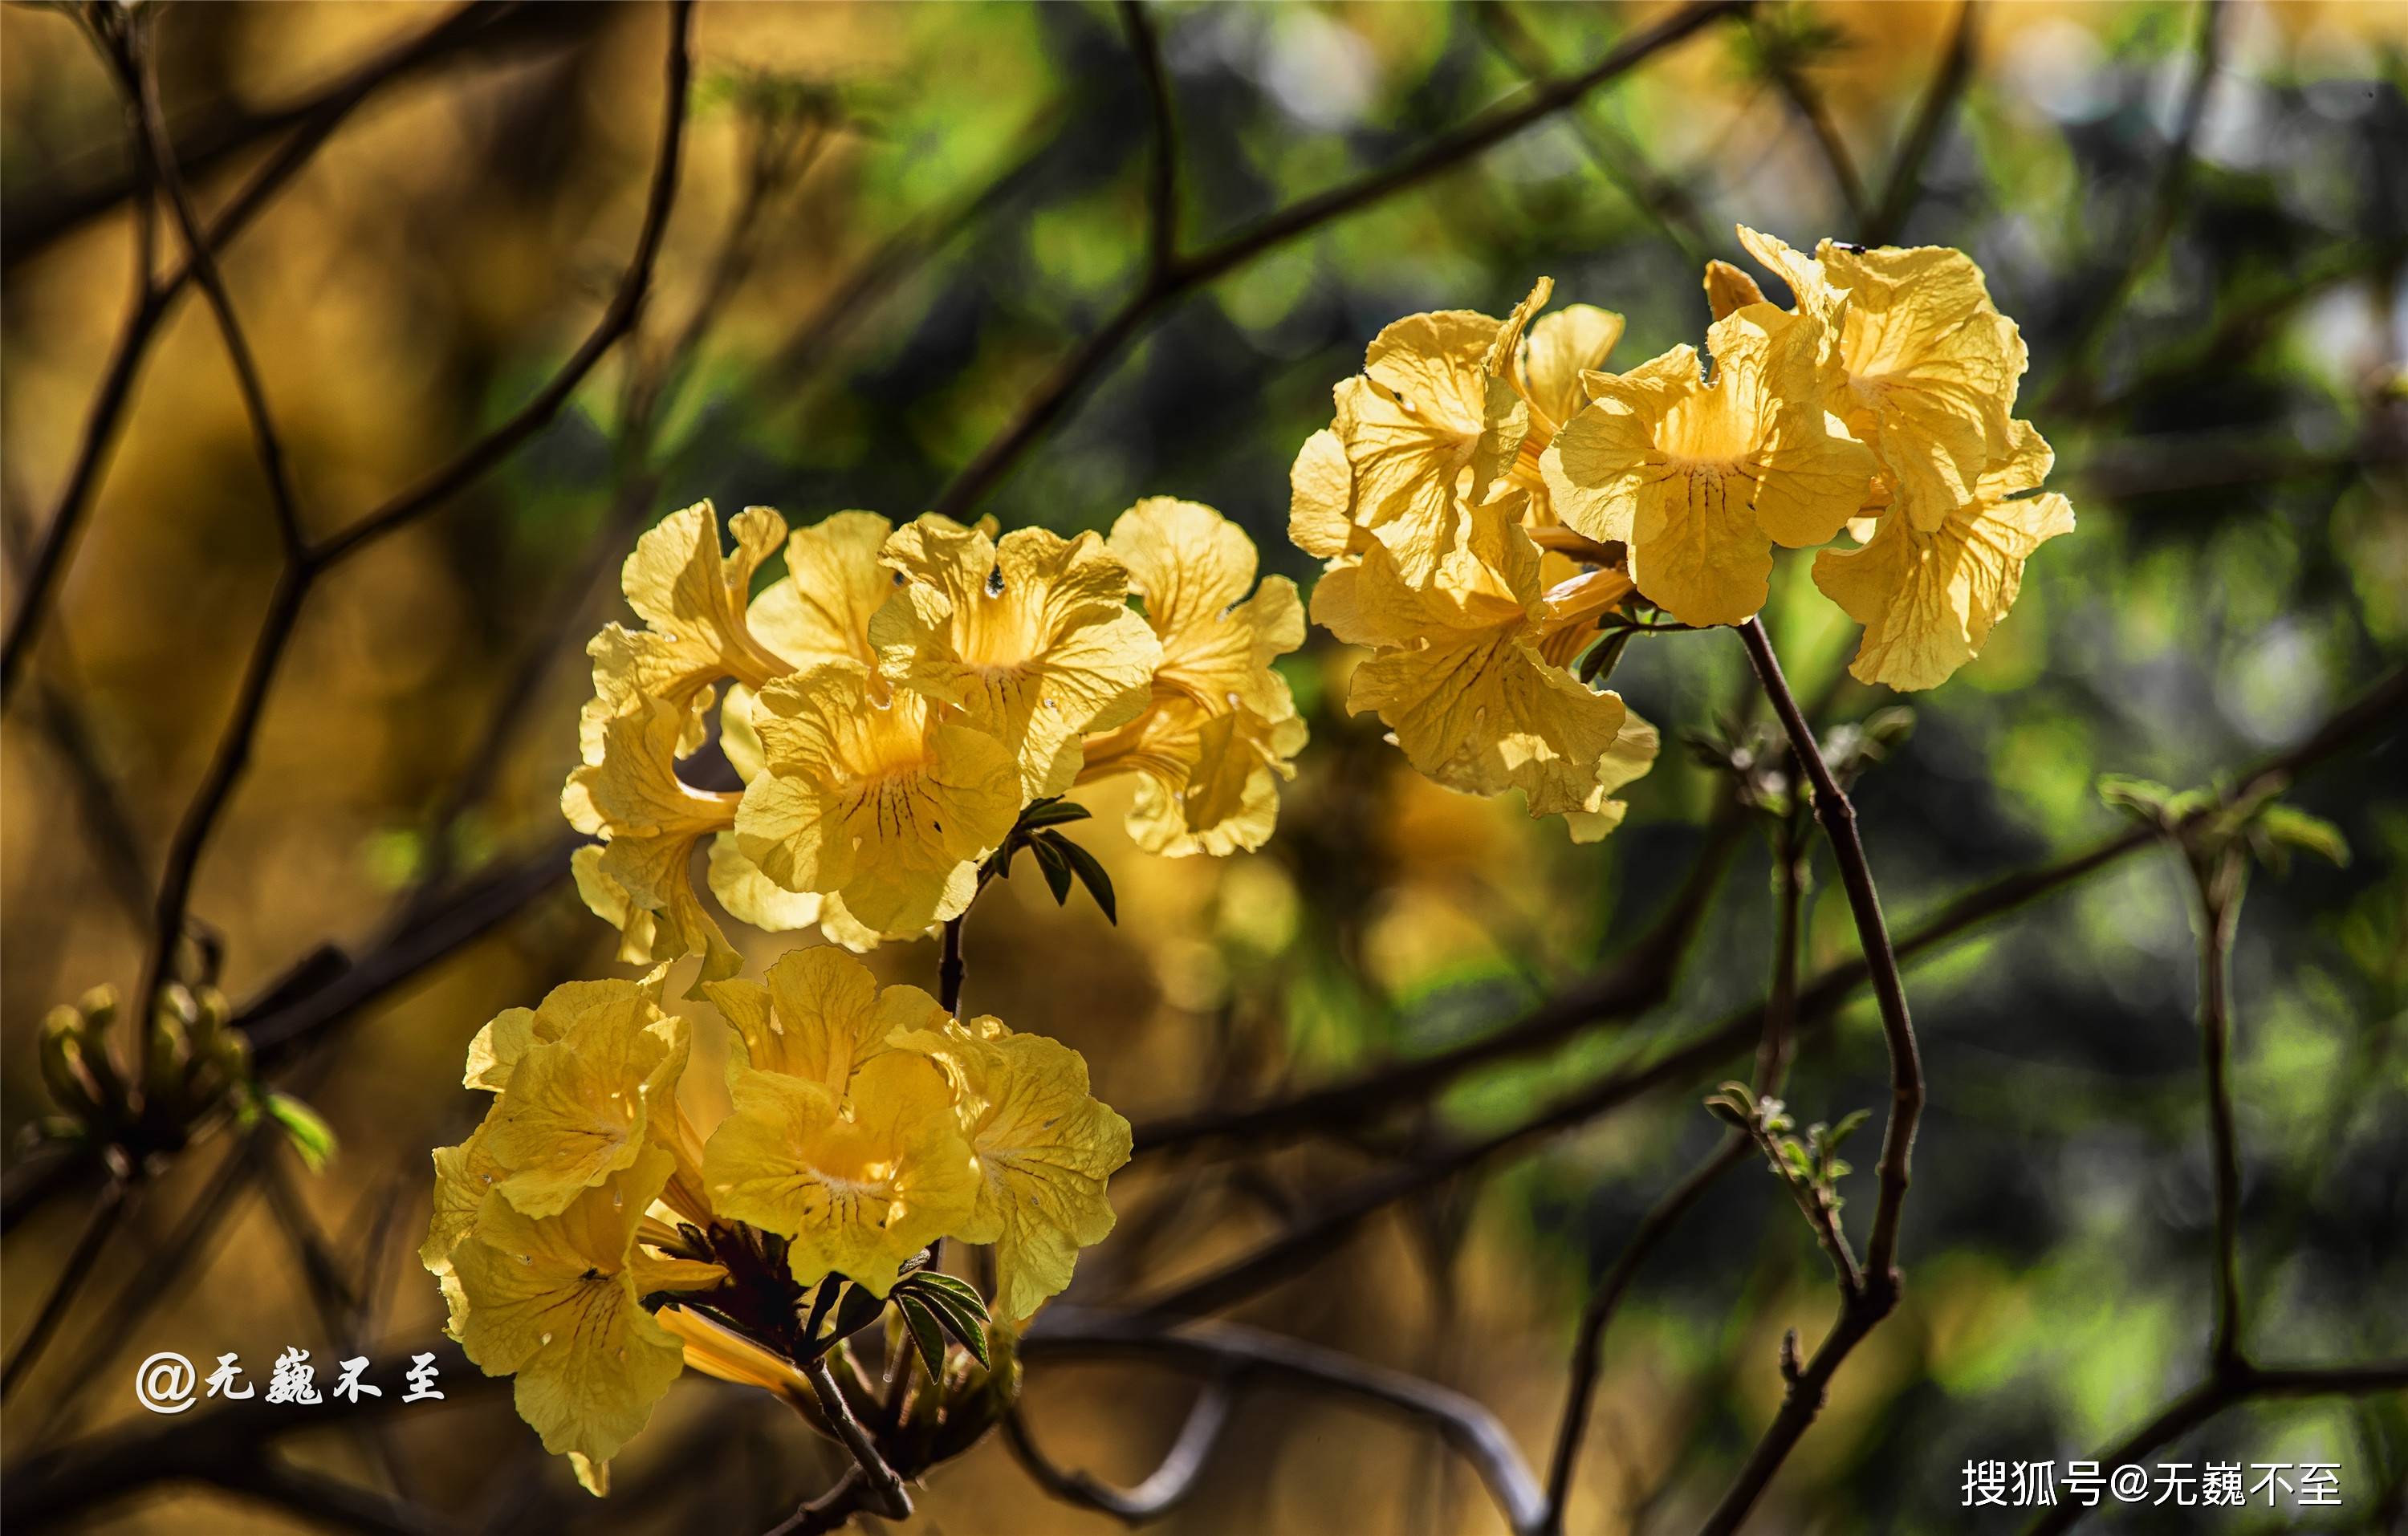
<point x="1090" y="874"/>
<point x="311" y="1137"/>
<point x="1057" y="866"/>
<point x="926" y="1333"/>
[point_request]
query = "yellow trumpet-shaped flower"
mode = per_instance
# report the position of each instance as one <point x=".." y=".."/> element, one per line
<point x="1216" y="736"/>
<point x="495" y="1053"/>
<point x="1697" y="480"/>
<point x="558" y="1304"/>
<point x="1194" y="569"/>
<point x="1546" y="359"/>
<point x="1929" y="596"/>
<point x="1031" y="638"/>
<point x="873" y="795"/>
<point x="692" y="598"/>
<point x="1924" y="366"/>
<point x="819" y="609"/>
<point x="628" y="792"/>
<point x="858" y="1185"/>
<point x="821" y="1018"/>
<point x="1045" y="1147"/>
<point x="1425" y="426"/>
<point x="1207" y="783"/>
<point x="1460" y="674"/>
<point x="585" y="1106"/>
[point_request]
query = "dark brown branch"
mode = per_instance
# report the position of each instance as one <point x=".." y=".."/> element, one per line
<point x="44" y="216"/>
<point x="1867" y="1298"/>
<point x="1808" y="104"/>
<point x="1241" y="1354"/>
<point x="1087" y="361"/>
<point x="1930" y="122"/>
<point x="1164" y="1488"/>
<point x="155" y="298"/>
<point x="888" y="1497"/>
<point x="1161" y="188"/>
<point x="2143" y="245"/>
<point x="97" y="1230"/>
<point x="2220" y="878"/>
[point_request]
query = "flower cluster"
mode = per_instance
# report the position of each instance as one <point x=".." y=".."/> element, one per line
<point x="591" y="1242"/>
<point x="1500" y="513"/>
<point x="900" y="696"/>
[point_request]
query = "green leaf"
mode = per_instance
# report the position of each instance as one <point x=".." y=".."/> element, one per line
<point x="1846" y="1127"/>
<point x="1056" y="864"/>
<point x="965" y="1318"/>
<point x="857" y="1310"/>
<point x="959" y="1288"/>
<point x="1053" y="812"/>
<point x="2295" y="829"/>
<point x="821" y="1304"/>
<point x="311" y="1137"/>
<point x="1604" y="655"/>
<point x="1090" y="874"/>
<point x="926" y="1333"/>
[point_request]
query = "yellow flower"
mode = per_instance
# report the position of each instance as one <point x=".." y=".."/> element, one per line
<point x="1459" y="675"/>
<point x="692" y="598"/>
<point x="1217" y="734"/>
<point x="628" y="792"/>
<point x="582" y="1107"/>
<point x="1321" y="500"/>
<point x="1032" y="638"/>
<point x="1925" y="365"/>
<point x="1207" y="783"/>
<point x="1697" y="481"/>
<point x="558" y="1302"/>
<point x="464" y="1176"/>
<point x="1549" y="369"/>
<point x="1425" y="426"/>
<point x="821" y="1017"/>
<point x="881" y="800"/>
<point x="494" y="1052"/>
<point x="819" y="609"/>
<point x="1045" y="1147"/>
<point x="1928" y="598"/>
<point x="858" y="1185"/>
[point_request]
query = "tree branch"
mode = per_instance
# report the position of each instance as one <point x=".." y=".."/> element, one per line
<point x="1166" y="1488"/>
<point x="1087" y="360"/>
<point x="1939" y="99"/>
<point x="1242" y="1355"/>
<point x="888" y="1496"/>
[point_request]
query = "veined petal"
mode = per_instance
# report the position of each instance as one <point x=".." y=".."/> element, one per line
<point x="819" y="609"/>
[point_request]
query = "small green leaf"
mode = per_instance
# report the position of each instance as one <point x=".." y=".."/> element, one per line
<point x="926" y="1332"/>
<point x="961" y="1289"/>
<point x="2295" y="829"/>
<point x="311" y="1137"/>
<point x="1604" y="656"/>
<point x="1090" y="874"/>
<point x="1053" y="812"/>
<point x="857" y="1310"/>
<point x="821" y="1302"/>
<point x="964" y="1318"/>
<point x="1057" y="866"/>
<point x="1847" y="1127"/>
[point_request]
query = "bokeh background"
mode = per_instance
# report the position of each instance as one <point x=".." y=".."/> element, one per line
<point x="893" y="223"/>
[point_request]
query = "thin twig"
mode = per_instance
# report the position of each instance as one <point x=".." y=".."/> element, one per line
<point x="1087" y="360"/>
<point x="98" y="1229"/>
<point x="1162" y="190"/>
<point x="889" y="1497"/>
<point x="1939" y="99"/>
<point x="1869" y="1298"/>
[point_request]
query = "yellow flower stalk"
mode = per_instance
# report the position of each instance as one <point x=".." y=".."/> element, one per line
<point x="878" y="794"/>
<point x="1700" y="480"/>
<point x="556" y="1303"/>
<point x="859" y="1184"/>
<point x="1044" y="1147"/>
<point x="1928" y="598"/>
<point x="1032" y="639"/>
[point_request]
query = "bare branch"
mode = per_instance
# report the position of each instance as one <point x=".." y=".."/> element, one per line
<point x="1162" y="190"/>
<point x="98" y="1227"/>
<point x="1163" y="1489"/>
<point x="1241" y="1354"/>
<point x="1947" y="88"/>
